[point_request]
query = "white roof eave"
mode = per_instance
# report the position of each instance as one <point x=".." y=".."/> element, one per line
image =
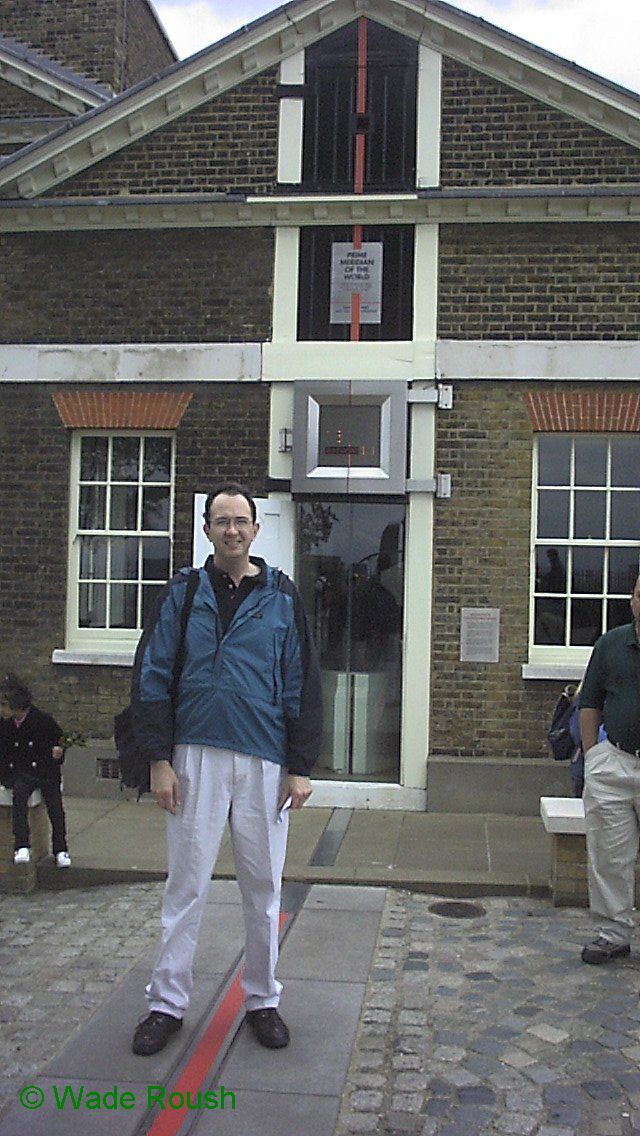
<point x="186" y="86"/>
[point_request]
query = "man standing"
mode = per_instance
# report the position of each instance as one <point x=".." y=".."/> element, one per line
<point x="611" y="694"/>
<point x="247" y="729"/>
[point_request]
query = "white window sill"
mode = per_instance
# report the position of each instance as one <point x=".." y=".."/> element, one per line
<point x="93" y="658"/>
<point x="567" y="672"/>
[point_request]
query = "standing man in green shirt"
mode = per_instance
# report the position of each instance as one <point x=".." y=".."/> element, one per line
<point x="610" y="695"/>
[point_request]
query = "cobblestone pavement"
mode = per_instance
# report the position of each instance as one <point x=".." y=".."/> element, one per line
<point x="60" y="954"/>
<point x="488" y="1025"/>
<point x="493" y="1025"/>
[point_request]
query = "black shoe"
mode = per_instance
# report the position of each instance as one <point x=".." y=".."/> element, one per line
<point x="603" y="950"/>
<point x="154" y="1032"/>
<point x="268" y="1028"/>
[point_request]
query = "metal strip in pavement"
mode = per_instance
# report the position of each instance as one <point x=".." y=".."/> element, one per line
<point x="205" y="1058"/>
<point x="328" y="846"/>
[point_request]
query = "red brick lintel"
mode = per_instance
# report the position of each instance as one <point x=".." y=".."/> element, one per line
<point x="580" y="411"/>
<point x="126" y="410"/>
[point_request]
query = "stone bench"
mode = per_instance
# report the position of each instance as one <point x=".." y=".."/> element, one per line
<point x="22" y="877"/>
<point x="563" y="818"/>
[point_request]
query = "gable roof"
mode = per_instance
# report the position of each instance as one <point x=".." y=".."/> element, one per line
<point x="264" y="43"/>
<point x="34" y="72"/>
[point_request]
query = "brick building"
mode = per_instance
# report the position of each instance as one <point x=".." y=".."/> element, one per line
<point x="379" y="261"/>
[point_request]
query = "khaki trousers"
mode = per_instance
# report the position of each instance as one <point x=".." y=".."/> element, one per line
<point x="612" y="811"/>
<point x="216" y="785"/>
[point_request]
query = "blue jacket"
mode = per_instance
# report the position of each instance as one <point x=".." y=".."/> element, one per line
<point x="254" y="689"/>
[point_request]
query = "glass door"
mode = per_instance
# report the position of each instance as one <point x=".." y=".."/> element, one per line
<point x="350" y="570"/>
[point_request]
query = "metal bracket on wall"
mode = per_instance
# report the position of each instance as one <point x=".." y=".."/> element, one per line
<point x="421" y="485"/>
<point x="440" y="485"/>
<point x="442" y="395"/>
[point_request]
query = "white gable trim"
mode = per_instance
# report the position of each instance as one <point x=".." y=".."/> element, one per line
<point x="174" y="211"/>
<point x="267" y="42"/>
<point x="60" y="92"/>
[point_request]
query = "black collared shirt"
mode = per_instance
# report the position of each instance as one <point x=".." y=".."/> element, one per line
<point x="611" y="685"/>
<point x="230" y="596"/>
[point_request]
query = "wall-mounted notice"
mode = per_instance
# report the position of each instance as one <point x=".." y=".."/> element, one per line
<point x="479" y="634"/>
<point x="356" y="270"/>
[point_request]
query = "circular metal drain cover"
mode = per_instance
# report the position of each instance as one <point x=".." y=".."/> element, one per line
<point x="457" y="909"/>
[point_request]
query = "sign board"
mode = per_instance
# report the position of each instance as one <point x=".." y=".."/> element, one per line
<point x="274" y="543"/>
<point x="480" y="635"/>
<point x="356" y="270"/>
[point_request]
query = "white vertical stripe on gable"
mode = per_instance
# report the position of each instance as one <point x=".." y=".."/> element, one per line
<point x="428" y="118"/>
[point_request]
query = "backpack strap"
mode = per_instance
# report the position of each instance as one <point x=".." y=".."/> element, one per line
<point x="192" y="587"/>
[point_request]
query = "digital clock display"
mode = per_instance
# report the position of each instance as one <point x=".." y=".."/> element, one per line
<point x="349" y="435"/>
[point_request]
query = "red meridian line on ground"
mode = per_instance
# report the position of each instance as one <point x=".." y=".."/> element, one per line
<point x="170" y="1121"/>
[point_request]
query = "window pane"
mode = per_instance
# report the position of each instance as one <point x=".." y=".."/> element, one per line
<point x="124" y="507"/>
<point x="550" y="619"/>
<point x="625" y="516"/>
<point x="586" y="622"/>
<point x="591" y="461"/>
<point x="588" y="569"/>
<point x="155" y="509"/>
<point x="625" y="461"/>
<point x="93" y="557"/>
<point x="124" y="459"/>
<point x="123" y="605"/>
<point x="551" y="569"/>
<point x="150" y="593"/>
<point x="93" y="459"/>
<point x="589" y="516"/>
<point x="618" y="613"/>
<point x="155" y="558"/>
<point x="92" y="507"/>
<point x="623" y="570"/>
<point x="553" y="514"/>
<point x="554" y="460"/>
<point x="124" y="558"/>
<point x="157" y="459"/>
<point x="93" y="605"/>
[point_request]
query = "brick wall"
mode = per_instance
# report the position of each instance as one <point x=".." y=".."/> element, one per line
<point x="223" y="435"/>
<point x="539" y="281"/>
<point x="89" y="37"/>
<point x="481" y="559"/>
<point x="229" y="144"/>
<point x="146" y="50"/>
<point x="15" y="103"/>
<point x="493" y="135"/>
<point x="183" y="285"/>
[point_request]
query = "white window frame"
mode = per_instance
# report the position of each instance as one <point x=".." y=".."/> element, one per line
<point x="556" y="655"/>
<point x="117" y="641"/>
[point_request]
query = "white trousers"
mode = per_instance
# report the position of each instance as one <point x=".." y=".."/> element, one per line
<point x="612" y="812"/>
<point x="216" y="784"/>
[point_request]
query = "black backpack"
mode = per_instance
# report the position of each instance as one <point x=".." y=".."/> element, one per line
<point x="135" y="770"/>
<point x="562" y="738"/>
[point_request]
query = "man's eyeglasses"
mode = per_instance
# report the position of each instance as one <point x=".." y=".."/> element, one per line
<point x="220" y="524"/>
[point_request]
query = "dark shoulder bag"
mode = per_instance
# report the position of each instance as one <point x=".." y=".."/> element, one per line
<point x="561" y="738"/>
<point x="134" y="763"/>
